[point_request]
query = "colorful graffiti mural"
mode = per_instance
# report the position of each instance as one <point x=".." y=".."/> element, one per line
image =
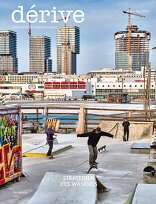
<point x="10" y="145"/>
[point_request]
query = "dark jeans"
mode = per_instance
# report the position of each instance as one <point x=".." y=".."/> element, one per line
<point x="50" y="147"/>
<point x="126" y="132"/>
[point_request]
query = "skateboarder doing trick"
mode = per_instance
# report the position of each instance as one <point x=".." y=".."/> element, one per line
<point x="93" y="139"/>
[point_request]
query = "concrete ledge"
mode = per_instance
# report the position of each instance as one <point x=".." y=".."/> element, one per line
<point x="59" y="188"/>
<point x="31" y="154"/>
<point x="140" y="148"/>
<point x="144" y="194"/>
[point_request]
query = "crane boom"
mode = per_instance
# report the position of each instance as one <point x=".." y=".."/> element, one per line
<point x="135" y="14"/>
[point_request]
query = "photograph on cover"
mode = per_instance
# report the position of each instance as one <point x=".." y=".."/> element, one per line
<point x="77" y="102"/>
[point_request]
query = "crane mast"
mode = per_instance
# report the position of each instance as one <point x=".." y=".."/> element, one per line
<point x="29" y="46"/>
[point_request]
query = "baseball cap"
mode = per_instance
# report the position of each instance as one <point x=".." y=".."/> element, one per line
<point x="98" y="129"/>
<point x="50" y="125"/>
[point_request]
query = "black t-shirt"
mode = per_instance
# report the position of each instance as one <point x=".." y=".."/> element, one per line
<point x="94" y="139"/>
<point x="126" y="124"/>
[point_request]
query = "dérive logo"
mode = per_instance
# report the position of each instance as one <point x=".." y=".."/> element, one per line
<point x="41" y="16"/>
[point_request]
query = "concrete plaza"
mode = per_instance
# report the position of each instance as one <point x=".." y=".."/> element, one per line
<point x="118" y="168"/>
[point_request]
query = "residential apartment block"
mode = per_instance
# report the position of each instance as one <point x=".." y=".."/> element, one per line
<point x="68" y="46"/>
<point x="40" y="53"/>
<point x="8" y="52"/>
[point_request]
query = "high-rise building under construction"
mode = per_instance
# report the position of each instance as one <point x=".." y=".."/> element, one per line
<point x="40" y="53"/>
<point x="68" y="46"/>
<point x="8" y="52"/>
<point x="138" y="50"/>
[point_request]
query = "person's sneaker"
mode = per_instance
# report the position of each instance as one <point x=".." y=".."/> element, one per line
<point x="96" y="163"/>
<point x="50" y="157"/>
<point x="93" y="164"/>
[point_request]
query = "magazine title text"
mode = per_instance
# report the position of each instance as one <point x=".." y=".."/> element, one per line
<point x="43" y="16"/>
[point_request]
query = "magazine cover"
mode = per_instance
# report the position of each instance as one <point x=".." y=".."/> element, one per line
<point x="77" y="102"/>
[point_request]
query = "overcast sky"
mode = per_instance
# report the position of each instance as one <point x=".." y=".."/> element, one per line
<point x="102" y="19"/>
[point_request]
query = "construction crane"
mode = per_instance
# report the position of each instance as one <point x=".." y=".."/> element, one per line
<point x="65" y="43"/>
<point x="129" y="33"/>
<point x="29" y="45"/>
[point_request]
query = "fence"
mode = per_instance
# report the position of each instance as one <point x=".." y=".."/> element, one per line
<point x="68" y="116"/>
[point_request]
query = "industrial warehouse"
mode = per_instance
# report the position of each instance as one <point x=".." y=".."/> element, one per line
<point x="98" y="85"/>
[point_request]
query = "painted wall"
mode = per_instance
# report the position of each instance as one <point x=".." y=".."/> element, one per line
<point x="10" y="145"/>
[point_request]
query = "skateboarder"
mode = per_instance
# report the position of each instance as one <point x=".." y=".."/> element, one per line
<point x="126" y="125"/>
<point x="94" y="137"/>
<point x="50" y="133"/>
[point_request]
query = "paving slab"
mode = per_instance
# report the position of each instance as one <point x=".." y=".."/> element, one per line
<point x="144" y="194"/>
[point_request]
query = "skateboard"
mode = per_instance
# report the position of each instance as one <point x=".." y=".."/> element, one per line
<point x="102" y="149"/>
<point x="92" y="167"/>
